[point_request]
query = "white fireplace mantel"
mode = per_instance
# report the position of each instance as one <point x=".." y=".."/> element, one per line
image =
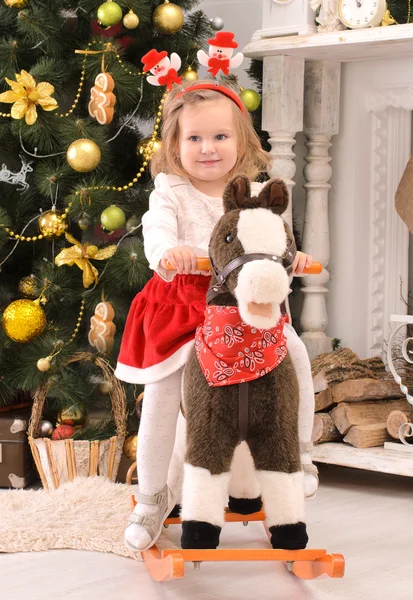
<point x="373" y="43"/>
<point x="362" y="116"/>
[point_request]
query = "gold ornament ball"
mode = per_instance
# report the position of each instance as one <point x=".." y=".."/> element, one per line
<point x="43" y="364"/>
<point x="190" y="74"/>
<point x="168" y="18"/>
<point x="23" y="320"/>
<point x="74" y="415"/>
<point x="109" y="13"/>
<point x="83" y="155"/>
<point x="16" y="3"/>
<point x="28" y="287"/>
<point x="130" y="446"/>
<point x="51" y="223"/>
<point x="251" y="99"/>
<point x="147" y="147"/>
<point x="131" y="20"/>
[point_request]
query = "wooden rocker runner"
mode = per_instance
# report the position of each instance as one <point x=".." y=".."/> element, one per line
<point x="169" y="563"/>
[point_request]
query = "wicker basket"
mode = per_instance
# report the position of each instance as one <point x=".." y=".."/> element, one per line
<point x="60" y="461"/>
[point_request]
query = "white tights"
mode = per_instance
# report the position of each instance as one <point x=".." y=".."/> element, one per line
<point x="156" y="435"/>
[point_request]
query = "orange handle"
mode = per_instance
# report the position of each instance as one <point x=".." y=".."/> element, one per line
<point x="315" y="269"/>
<point x="203" y="264"/>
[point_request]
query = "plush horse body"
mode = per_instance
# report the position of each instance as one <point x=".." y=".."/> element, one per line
<point x="239" y="383"/>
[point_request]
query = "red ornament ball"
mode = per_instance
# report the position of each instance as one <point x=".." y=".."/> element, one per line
<point x="63" y="432"/>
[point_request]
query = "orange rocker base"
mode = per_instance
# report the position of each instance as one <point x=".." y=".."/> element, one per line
<point x="306" y="564"/>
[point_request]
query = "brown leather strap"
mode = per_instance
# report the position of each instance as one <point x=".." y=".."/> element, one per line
<point x="243" y="411"/>
<point x="218" y="286"/>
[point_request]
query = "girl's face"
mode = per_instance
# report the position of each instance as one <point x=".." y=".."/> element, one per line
<point x="207" y="141"/>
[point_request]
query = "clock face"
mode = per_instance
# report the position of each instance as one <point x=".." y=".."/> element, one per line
<point x="361" y="13"/>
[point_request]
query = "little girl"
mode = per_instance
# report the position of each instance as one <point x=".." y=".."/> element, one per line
<point x="207" y="139"/>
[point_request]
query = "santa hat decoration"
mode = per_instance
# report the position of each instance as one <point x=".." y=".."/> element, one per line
<point x="223" y="39"/>
<point x="152" y="58"/>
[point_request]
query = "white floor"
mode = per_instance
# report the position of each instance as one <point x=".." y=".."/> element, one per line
<point x="368" y="517"/>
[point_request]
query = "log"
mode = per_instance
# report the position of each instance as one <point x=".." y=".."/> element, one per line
<point x="323" y="400"/>
<point x="327" y="369"/>
<point x="397" y="418"/>
<point x="324" y="429"/>
<point x="354" y="390"/>
<point x="346" y="415"/>
<point x="367" y="436"/>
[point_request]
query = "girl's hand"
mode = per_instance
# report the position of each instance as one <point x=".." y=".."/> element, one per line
<point x="182" y="258"/>
<point x="301" y="262"/>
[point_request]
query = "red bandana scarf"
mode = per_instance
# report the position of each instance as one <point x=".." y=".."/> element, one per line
<point x="229" y="351"/>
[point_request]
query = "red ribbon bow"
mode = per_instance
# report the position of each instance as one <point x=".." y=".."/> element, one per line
<point x="218" y="64"/>
<point x="170" y="78"/>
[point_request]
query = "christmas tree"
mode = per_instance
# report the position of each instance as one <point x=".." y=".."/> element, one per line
<point x="78" y="124"/>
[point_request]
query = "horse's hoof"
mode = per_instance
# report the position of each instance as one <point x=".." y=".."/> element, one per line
<point x="244" y="506"/>
<point x="175" y="512"/>
<point x="289" y="537"/>
<point x="199" y="535"/>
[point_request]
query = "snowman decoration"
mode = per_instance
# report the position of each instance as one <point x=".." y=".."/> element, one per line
<point x="221" y="49"/>
<point x="164" y="69"/>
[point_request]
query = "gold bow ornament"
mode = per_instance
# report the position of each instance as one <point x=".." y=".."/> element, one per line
<point x="80" y="255"/>
<point x="26" y="95"/>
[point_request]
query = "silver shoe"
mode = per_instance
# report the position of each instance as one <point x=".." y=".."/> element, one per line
<point x="152" y="523"/>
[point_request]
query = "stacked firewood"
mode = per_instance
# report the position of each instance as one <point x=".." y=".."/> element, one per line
<point x="356" y="401"/>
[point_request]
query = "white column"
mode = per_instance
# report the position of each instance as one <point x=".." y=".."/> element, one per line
<point x="321" y="116"/>
<point x="282" y="114"/>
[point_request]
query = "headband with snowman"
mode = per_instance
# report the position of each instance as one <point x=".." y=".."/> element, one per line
<point x="221" y="48"/>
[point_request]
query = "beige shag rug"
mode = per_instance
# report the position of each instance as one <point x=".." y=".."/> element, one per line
<point x="89" y="513"/>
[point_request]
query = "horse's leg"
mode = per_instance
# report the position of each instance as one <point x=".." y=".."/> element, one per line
<point x="244" y="488"/>
<point x="211" y="439"/>
<point x="274" y="447"/>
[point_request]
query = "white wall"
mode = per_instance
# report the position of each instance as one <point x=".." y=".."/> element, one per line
<point x="243" y="17"/>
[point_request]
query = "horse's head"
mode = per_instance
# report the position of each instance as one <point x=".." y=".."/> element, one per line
<point x="251" y="251"/>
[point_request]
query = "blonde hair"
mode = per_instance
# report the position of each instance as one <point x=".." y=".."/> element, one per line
<point x="251" y="158"/>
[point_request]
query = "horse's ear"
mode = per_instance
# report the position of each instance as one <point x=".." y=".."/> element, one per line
<point x="237" y="193"/>
<point x="274" y="196"/>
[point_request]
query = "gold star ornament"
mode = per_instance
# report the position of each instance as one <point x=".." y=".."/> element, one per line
<point x="79" y="254"/>
<point x="26" y="96"/>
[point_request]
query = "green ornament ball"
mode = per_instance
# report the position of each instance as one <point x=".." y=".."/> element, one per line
<point x="251" y="99"/>
<point x="109" y="13"/>
<point x="112" y="218"/>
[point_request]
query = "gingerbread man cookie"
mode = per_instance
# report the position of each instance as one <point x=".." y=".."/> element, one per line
<point x="102" y="330"/>
<point x="102" y="99"/>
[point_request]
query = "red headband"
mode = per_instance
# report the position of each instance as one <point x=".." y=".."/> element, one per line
<point x="216" y="88"/>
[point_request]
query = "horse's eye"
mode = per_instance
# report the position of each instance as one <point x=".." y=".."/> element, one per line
<point x="229" y="238"/>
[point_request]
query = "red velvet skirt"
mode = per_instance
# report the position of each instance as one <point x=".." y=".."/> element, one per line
<point x="160" y="328"/>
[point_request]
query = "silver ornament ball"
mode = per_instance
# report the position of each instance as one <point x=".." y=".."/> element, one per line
<point x="46" y="429"/>
<point x="217" y="23"/>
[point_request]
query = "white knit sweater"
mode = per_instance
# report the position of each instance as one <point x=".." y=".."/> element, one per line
<point x="179" y="215"/>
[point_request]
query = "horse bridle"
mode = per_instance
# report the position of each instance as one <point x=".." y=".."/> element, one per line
<point x="219" y="287"/>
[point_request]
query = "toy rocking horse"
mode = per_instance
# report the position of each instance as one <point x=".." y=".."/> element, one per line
<point x="239" y="382"/>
